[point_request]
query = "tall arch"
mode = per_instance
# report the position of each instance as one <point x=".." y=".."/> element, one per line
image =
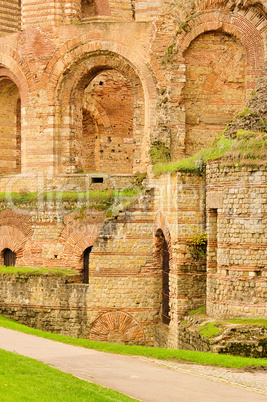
<point x="10" y="126"/>
<point x="72" y="89"/>
<point x="84" y="47"/>
<point x="243" y="34"/>
<point x="215" y="88"/>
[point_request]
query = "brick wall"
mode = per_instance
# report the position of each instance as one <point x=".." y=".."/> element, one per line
<point x="10" y="16"/>
<point x="74" y="309"/>
<point x="215" y="89"/>
<point x="36" y="13"/>
<point x="237" y="277"/>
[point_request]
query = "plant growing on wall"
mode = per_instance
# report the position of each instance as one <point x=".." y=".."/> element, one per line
<point x="159" y="153"/>
<point x="198" y="242"/>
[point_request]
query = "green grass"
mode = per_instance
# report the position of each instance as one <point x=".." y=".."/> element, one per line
<point x="200" y="310"/>
<point x="245" y="146"/>
<point x="99" y="200"/>
<point x="25" y="379"/>
<point x="158" y="353"/>
<point x="249" y="321"/>
<point x="27" y="271"/>
<point x="209" y="330"/>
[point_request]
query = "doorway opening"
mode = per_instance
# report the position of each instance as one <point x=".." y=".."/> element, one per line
<point x="9" y="258"/>
<point x="163" y="257"/>
<point x="86" y="258"/>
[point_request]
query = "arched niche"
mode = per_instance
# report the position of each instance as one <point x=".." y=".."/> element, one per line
<point x="10" y="127"/>
<point x="101" y="117"/>
<point x="9" y="257"/>
<point x="215" y="88"/>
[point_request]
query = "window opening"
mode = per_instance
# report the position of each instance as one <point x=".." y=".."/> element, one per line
<point x="165" y="283"/>
<point x="86" y="257"/>
<point x="214" y="235"/>
<point x="97" y="179"/>
<point x="9" y="258"/>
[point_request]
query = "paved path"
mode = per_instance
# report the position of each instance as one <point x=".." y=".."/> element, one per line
<point x="144" y="379"/>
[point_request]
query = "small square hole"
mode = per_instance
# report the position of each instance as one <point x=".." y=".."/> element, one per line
<point x="97" y="179"/>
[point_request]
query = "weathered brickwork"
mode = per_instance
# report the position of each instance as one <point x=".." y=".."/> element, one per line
<point x="237" y="227"/>
<point x="86" y="86"/>
<point x="78" y="310"/>
<point x="215" y="88"/>
<point x="179" y="207"/>
<point x="245" y="340"/>
<point x="10" y="16"/>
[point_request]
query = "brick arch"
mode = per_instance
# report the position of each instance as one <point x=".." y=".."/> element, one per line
<point x="74" y="51"/>
<point x="77" y="237"/>
<point x="232" y="24"/>
<point x="117" y="327"/>
<point x="21" y="221"/>
<point x="14" y="233"/>
<point x="18" y="71"/>
<point x="69" y="93"/>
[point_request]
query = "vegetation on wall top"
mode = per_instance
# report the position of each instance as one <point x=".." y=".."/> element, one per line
<point x="98" y="200"/>
<point x="26" y="272"/>
<point x="245" y="147"/>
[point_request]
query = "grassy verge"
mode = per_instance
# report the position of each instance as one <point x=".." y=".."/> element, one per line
<point x="158" y="353"/>
<point x="256" y="321"/>
<point x="245" y="146"/>
<point x="99" y="200"/>
<point x="25" y="379"/>
<point x="27" y="271"/>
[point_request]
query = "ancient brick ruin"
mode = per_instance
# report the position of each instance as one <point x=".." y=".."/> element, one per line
<point x="86" y="88"/>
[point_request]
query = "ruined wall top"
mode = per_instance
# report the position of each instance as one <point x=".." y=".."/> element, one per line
<point x="22" y="14"/>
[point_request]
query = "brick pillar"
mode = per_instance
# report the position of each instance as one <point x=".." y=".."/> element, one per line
<point x="39" y="13"/>
<point x="10" y="16"/>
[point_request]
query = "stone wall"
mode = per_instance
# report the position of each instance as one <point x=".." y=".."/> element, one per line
<point x="247" y="340"/>
<point x="237" y="227"/>
<point x="74" y="309"/>
<point x="179" y="212"/>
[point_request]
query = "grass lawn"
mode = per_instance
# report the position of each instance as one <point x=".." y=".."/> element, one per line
<point x="158" y="353"/>
<point x="25" y="379"/>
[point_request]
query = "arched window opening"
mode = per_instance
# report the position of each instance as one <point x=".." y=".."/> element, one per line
<point x="88" y="9"/>
<point x="10" y="127"/>
<point x="107" y="131"/>
<point x="9" y="258"/>
<point x="215" y="89"/>
<point x="86" y="257"/>
<point x="163" y="256"/>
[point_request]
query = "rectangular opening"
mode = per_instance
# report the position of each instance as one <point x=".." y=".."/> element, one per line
<point x="97" y="179"/>
<point x="213" y="239"/>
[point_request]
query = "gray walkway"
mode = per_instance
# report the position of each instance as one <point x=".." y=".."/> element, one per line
<point x="144" y="379"/>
